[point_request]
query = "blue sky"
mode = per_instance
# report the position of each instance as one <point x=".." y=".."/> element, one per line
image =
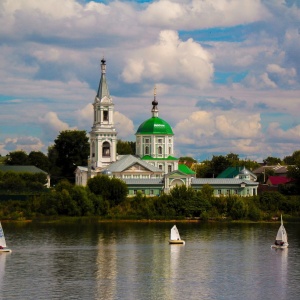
<point x="227" y="72"/>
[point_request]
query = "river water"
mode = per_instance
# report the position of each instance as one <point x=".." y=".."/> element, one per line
<point x="126" y="260"/>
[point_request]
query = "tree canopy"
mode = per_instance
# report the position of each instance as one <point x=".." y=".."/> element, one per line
<point x="71" y="148"/>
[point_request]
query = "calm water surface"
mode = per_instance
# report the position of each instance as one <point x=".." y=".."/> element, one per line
<point x="135" y="261"/>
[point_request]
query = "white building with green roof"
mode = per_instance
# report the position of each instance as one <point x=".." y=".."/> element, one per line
<point x="154" y="169"/>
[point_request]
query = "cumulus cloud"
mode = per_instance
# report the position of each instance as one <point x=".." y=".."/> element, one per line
<point x="218" y="65"/>
<point x="202" y="14"/>
<point x="124" y="126"/>
<point x="170" y="59"/>
<point x="25" y="143"/>
<point x="276" y="134"/>
<point x="52" y="125"/>
<point x="204" y="130"/>
<point x="209" y="103"/>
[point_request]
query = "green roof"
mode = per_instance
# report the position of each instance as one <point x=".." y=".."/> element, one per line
<point x="185" y="169"/>
<point x="148" y="157"/>
<point x="230" y="172"/>
<point x="21" y="169"/>
<point x="155" y="125"/>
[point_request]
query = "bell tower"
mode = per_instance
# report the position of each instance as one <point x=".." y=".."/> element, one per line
<point x="103" y="136"/>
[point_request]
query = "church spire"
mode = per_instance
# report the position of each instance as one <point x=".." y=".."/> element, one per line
<point x="103" y="88"/>
<point x="154" y="105"/>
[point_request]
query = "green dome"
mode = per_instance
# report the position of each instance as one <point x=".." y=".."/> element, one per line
<point x="155" y="125"/>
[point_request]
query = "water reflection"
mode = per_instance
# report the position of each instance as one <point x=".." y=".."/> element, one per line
<point x="106" y="269"/>
<point x="134" y="261"/>
<point x="2" y="269"/>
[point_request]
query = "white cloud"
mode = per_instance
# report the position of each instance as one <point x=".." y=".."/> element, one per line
<point x="170" y="59"/>
<point x="194" y="14"/>
<point x="52" y="125"/>
<point x="25" y="143"/>
<point x="278" y="135"/>
<point x="124" y="125"/>
<point x="204" y="130"/>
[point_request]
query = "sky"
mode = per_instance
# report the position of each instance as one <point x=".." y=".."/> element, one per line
<point x="226" y="72"/>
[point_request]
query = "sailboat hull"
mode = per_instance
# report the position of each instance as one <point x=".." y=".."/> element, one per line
<point x="5" y="250"/>
<point x="178" y="242"/>
<point x="284" y="246"/>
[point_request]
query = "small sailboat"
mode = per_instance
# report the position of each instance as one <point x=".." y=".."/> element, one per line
<point x="175" y="237"/>
<point x="281" y="240"/>
<point x="3" y="247"/>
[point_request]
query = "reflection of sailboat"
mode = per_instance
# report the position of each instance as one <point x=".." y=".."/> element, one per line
<point x="175" y="237"/>
<point x="2" y="271"/>
<point x="3" y="247"/>
<point x="281" y="241"/>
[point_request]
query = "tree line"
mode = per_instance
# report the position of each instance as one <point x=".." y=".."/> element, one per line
<point x="107" y="198"/>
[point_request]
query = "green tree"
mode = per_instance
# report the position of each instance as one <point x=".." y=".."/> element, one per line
<point x="239" y="209"/>
<point x="187" y="159"/>
<point x="202" y="169"/>
<point x="218" y="165"/>
<point x="112" y="189"/>
<point x="233" y="159"/>
<point x="80" y="196"/>
<point x="270" y="161"/>
<point x="39" y="159"/>
<point x="125" y="147"/>
<point x="71" y="150"/>
<point x="19" y="158"/>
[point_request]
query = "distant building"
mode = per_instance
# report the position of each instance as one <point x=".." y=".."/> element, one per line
<point x="234" y="172"/>
<point x="25" y="169"/>
<point x="154" y="169"/>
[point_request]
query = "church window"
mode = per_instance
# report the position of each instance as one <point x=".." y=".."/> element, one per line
<point x="219" y="192"/>
<point x="170" y="151"/>
<point x="146" y="150"/>
<point x="106" y="149"/>
<point x="228" y="192"/>
<point x="160" y="167"/>
<point x="160" y="141"/>
<point x="159" y="150"/>
<point x="147" y="141"/>
<point x="170" y="141"/>
<point x="169" y="168"/>
<point x="93" y="149"/>
<point x="105" y="115"/>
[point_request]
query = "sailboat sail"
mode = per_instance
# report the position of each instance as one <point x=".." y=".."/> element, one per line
<point x="2" y="238"/>
<point x="281" y="234"/>
<point x="174" y="233"/>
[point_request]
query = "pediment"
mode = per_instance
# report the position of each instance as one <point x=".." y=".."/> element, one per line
<point x="136" y="168"/>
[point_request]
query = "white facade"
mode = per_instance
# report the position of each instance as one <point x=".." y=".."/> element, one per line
<point x="103" y="136"/>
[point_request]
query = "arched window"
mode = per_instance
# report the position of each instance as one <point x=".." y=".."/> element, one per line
<point x="93" y="149"/>
<point x="106" y="149"/>
<point x="170" y="150"/>
<point x="146" y="150"/>
<point x="105" y="115"/>
<point x="159" y="150"/>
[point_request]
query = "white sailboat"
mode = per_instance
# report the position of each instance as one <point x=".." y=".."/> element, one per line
<point x="175" y="237"/>
<point x="281" y="240"/>
<point x="3" y="247"/>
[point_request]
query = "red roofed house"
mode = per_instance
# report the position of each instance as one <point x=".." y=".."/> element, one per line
<point x="276" y="180"/>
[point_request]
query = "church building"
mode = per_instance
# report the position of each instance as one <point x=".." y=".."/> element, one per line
<point x="154" y="169"/>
